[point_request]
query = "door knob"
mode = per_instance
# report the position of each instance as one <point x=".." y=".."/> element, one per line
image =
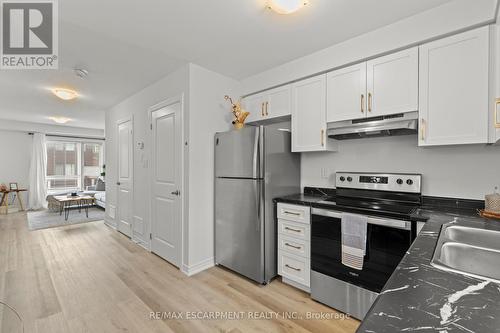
<point x="118" y="183"/>
<point x="176" y="192"/>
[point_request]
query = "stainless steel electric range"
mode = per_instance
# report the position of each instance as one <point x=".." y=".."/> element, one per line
<point x="388" y="201"/>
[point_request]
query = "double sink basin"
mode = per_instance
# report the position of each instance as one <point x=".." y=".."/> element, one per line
<point x="469" y="251"/>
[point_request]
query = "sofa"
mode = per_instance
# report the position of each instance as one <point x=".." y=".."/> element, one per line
<point x="97" y="191"/>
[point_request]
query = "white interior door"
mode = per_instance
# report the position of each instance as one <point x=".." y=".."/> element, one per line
<point x="166" y="181"/>
<point x="125" y="175"/>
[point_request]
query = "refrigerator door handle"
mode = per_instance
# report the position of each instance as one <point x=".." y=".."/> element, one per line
<point x="256" y="154"/>
<point x="258" y="199"/>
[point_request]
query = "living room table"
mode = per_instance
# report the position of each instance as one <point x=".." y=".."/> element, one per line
<point x="67" y="201"/>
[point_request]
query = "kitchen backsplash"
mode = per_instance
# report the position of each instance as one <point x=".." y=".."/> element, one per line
<point x="453" y="171"/>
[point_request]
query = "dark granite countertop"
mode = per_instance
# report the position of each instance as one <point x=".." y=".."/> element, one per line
<point x="302" y="199"/>
<point x="421" y="298"/>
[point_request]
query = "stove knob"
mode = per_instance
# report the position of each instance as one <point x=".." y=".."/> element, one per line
<point x="399" y="181"/>
<point x="342" y="178"/>
<point x="409" y="182"/>
<point x="349" y="179"/>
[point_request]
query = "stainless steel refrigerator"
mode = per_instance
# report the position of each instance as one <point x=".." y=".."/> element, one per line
<point x="252" y="166"/>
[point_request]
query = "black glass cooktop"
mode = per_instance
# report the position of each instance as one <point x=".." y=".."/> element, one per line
<point x="395" y="205"/>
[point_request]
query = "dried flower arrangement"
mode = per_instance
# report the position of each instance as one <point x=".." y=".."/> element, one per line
<point x="239" y="114"/>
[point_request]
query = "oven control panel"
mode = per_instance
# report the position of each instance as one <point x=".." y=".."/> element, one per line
<point x="410" y="183"/>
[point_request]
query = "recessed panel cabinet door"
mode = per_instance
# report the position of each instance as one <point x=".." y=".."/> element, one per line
<point x="255" y="105"/>
<point x="454" y="89"/>
<point x="309" y="115"/>
<point x="392" y="83"/>
<point x="346" y="98"/>
<point x="278" y="102"/>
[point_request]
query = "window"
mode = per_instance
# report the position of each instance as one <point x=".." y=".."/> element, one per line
<point x="73" y="165"/>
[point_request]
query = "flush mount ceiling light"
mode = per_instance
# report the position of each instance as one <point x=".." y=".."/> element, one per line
<point x="60" y="120"/>
<point x="65" y="94"/>
<point x="81" y="73"/>
<point x="286" y="6"/>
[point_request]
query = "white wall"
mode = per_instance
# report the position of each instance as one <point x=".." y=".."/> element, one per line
<point x="209" y="113"/>
<point x="459" y="171"/>
<point x="451" y="17"/>
<point x="24" y="126"/>
<point x="205" y="112"/>
<point x="15" y="159"/>
<point x="136" y="106"/>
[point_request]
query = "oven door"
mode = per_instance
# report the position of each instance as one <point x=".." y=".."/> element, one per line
<point x="387" y="242"/>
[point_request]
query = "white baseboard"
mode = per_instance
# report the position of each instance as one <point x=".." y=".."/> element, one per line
<point x="199" y="267"/>
<point x="109" y="222"/>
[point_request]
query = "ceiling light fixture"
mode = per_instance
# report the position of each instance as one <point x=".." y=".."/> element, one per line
<point x="81" y="73"/>
<point x="65" y="94"/>
<point x="286" y="6"/>
<point x="60" y="120"/>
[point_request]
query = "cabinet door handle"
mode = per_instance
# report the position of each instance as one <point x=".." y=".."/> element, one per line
<point x="422" y="129"/>
<point x="362" y="103"/>
<point x="294" y="230"/>
<point x="294" y="268"/>
<point x="322" y="138"/>
<point x="262" y="109"/>
<point x="293" y="246"/>
<point x="369" y="102"/>
<point x="267" y="104"/>
<point x="291" y="213"/>
<point x="497" y="121"/>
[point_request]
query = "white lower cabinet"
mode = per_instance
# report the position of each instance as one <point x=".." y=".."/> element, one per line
<point x="294" y="245"/>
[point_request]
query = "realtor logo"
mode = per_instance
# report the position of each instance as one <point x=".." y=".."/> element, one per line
<point x="29" y="38"/>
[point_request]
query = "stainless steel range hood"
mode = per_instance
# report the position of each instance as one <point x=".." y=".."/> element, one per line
<point x="396" y="124"/>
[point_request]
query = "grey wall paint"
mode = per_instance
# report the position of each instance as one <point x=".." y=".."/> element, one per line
<point x="455" y="171"/>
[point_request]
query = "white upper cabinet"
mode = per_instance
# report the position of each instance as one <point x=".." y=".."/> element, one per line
<point x="255" y="105"/>
<point x="495" y="85"/>
<point x="309" y="116"/>
<point x="278" y="102"/>
<point x="346" y="97"/>
<point x="268" y="105"/>
<point x="382" y="86"/>
<point x="392" y="83"/>
<point x="453" y="100"/>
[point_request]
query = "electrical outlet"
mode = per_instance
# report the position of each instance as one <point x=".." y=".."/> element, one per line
<point x="324" y="173"/>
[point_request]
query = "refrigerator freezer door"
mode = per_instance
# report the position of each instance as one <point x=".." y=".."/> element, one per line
<point x="237" y="153"/>
<point x="239" y="234"/>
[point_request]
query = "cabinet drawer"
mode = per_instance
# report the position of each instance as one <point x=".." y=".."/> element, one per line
<point x="295" y="246"/>
<point x="294" y="229"/>
<point x="294" y="213"/>
<point x="295" y="268"/>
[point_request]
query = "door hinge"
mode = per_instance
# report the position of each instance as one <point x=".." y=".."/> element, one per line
<point x="151" y="236"/>
<point x="151" y="126"/>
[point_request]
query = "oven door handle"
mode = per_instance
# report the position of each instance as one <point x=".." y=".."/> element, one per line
<point x="397" y="224"/>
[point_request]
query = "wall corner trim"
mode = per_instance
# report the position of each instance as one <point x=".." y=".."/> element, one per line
<point x="191" y="270"/>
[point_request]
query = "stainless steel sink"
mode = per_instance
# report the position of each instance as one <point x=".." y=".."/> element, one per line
<point x="469" y="251"/>
<point x="473" y="236"/>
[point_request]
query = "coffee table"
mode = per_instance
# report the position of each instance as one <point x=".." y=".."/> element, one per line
<point x="66" y="202"/>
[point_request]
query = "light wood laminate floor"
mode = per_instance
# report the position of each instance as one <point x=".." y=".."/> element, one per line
<point x="90" y="278"/>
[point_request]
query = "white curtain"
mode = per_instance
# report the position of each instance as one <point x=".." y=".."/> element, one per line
<point x="38" y="185"/>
